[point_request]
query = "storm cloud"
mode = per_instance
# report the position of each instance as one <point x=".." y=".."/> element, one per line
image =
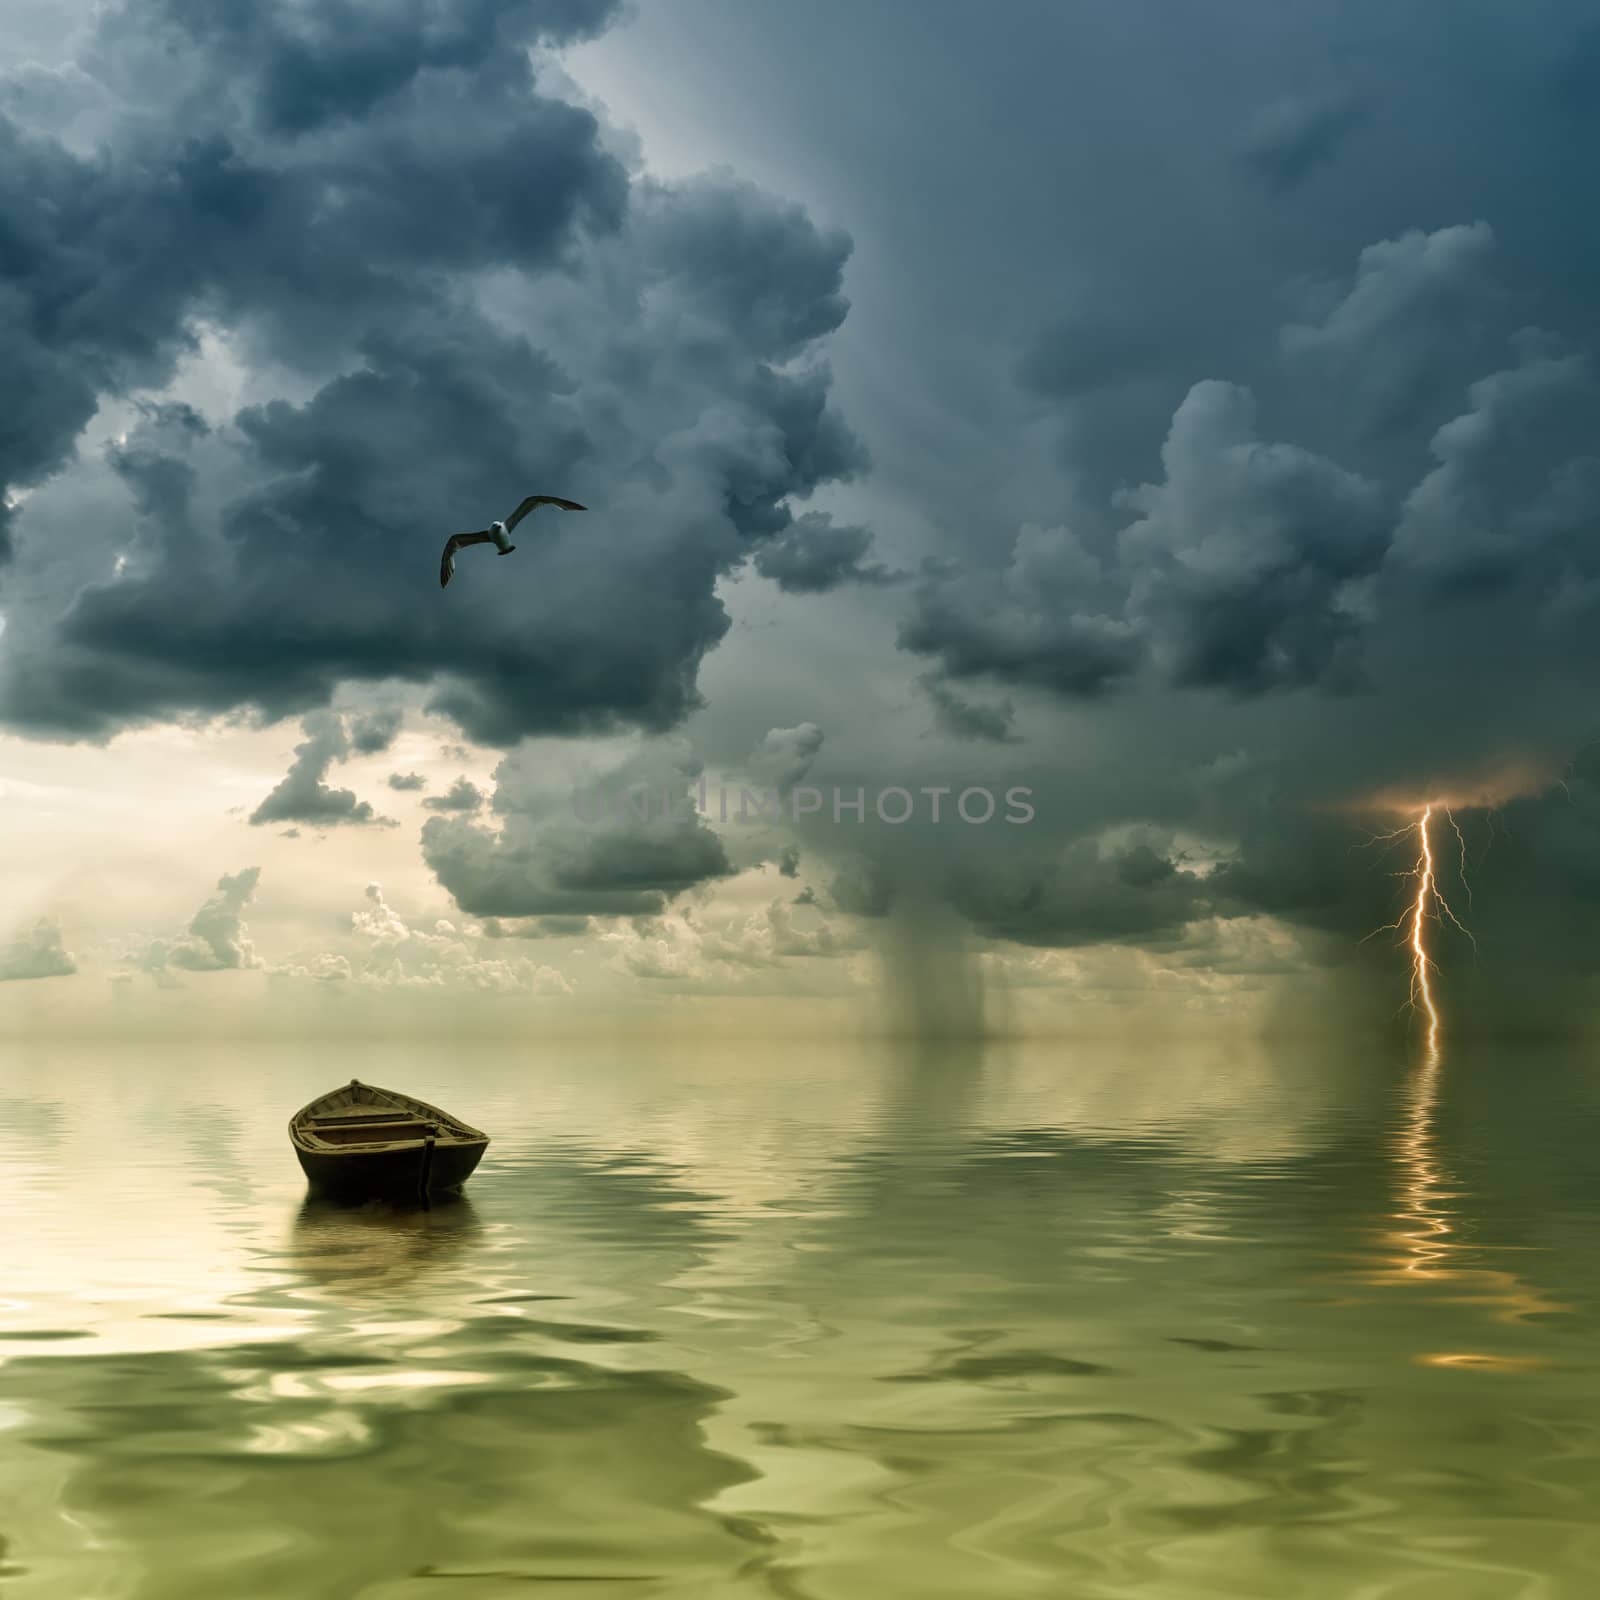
<point x="816" y="555"/>
<point x="622" y="844"/>
<point x="1238" y="453"/>
<point x="476" y="300"/>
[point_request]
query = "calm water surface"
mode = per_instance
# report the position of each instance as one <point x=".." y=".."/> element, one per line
<point x="1072" y="1321"/>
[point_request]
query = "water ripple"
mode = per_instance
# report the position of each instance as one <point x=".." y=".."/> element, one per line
<point x="1016" y="1324"/>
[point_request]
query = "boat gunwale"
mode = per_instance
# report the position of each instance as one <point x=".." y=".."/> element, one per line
<point x="454" y="1133"/>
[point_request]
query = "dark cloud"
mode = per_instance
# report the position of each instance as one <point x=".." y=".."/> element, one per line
<point x="405" y="781"/>
<point x="344" y="60"/>
<point x="622" y="846"/>
<point x="1302" y="505"/>
<point x="372" y="732"/>
<point x="1256" y="567"/>
<point x="1525" y="889"/>
<point x="390" y="204"/>
<point x="1290" y="497"/>
<point x="1423" y="316"/>
<point x="182" y="210"/>
<point x="817" y="555"/>
<point x="1238" y="572"/>
<point x="1038" y="891"/>
<point x="717" y="241"/>
<point x="1244" y="557"/>
<point x="863" y="887"/>
<point x="789" y="862"/>
<point x="70" y="331"/>
<point x="463" y="795"/>
<point x="1029" y="625"/>
<point x="304" y="795"/>
<point x="965" y="718"/>
<point x="1518" y="875"/>
<point x="1514" y="495"/>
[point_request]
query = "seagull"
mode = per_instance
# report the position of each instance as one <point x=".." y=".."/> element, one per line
<point x="498" y="533"/>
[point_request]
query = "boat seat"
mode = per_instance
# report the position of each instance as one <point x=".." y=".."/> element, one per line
<point x="354" y="1118"/>
<point x="372" y="1131"/>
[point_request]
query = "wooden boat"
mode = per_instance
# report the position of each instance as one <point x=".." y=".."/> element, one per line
<point x="363" y="1142"/>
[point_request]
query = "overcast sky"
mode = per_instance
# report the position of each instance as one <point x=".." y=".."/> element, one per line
<point x="1187" y="415"/>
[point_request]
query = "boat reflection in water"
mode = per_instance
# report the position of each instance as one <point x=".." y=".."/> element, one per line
<point x="376" y="1245"/>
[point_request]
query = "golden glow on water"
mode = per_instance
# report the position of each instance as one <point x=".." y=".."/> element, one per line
<point x="1426" y="1229"/>
<point x="1477" y="1361"/>
<point x="1428" y="1250"/>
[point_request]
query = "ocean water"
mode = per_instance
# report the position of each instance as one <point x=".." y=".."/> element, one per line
<point x="1075" y="1320"/>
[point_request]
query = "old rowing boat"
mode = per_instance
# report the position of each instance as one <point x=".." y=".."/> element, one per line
<point x="361" y="1142"/>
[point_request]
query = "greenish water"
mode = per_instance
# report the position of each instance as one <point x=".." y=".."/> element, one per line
<point x="1074" y="1321"/>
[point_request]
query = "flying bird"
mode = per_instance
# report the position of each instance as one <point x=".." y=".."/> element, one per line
<point x="497" y="533"/>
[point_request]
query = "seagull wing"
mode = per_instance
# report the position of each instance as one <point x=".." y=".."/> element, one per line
<point x="540" y="500"/>
<point x="447" y="562"/>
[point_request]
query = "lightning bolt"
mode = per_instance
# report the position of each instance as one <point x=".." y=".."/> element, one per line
<point x="1427" y="890"/>
<point x="1428" y="907"/>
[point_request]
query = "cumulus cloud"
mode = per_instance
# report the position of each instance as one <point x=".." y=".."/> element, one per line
<point x="372" y="732"/>
<point x="1091" y="892"/>
<point x="1044" y="622"/>
<point x="622" y="845"/>
<point x="304" y="795"/>
<point x="216" y="939"/>
<point x="1273" y="510"/>
<point x="1245" y="555"/>
<point x="1300" y="510"/>
<point x="379" y="922"/>
<point x="463" y="795"/>
<point x="37" y="952"/>
<point x="683" y="948"/>
<point x="392" y="953"/>
<point x="1419" y="320"/>
<point x="386" y="950"/>
<point x="1514" y="496"/>
<point x="389" y="209"/>
<point x="325" y="967"/>
<point x="407" y="781"/>
<point x="817" y="555"/>
<point x="1240" y="571"/>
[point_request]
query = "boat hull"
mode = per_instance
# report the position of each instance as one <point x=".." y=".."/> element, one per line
<point x="396" y="1174"/>
<point x="360" y="1142"/>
